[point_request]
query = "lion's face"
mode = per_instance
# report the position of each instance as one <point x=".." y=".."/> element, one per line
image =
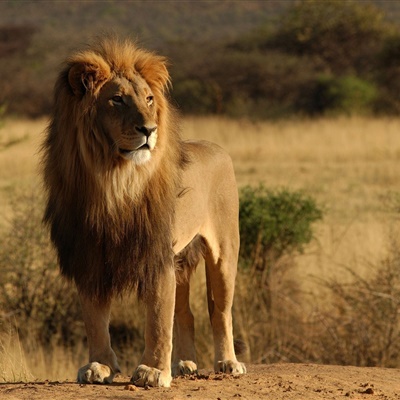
<point x="121" y="91"/>
<point x="127" y="116"/>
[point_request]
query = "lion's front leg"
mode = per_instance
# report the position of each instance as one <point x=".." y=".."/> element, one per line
<point x="155" y="366"/>
<point x="184" y="353"/>
<point x="103" y="365"/>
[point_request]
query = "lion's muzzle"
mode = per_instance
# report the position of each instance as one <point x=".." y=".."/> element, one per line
<point x="142" y="145"/>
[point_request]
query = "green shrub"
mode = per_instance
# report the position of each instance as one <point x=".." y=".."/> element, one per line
<point x="273" y="226"/>
<point x="274" y="223"/>
<point x="342" y="95"/>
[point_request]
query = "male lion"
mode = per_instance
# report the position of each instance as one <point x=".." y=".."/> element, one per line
<point x="131" y="206"/>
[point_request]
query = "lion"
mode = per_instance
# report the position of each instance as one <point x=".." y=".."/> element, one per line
<point x="132" y="207"/>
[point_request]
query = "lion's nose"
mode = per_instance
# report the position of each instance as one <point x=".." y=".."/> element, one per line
<point x="146" y="130"/>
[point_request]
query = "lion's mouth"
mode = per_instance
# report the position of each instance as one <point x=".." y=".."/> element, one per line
<point x="139" y="150"/>
<point x="128" y="151"/>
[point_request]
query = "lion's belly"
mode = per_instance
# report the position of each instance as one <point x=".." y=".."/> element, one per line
<point x="188" y="224"/>
<point x="190" y="217"/>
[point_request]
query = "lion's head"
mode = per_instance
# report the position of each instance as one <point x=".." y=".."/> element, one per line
<point x="122" y="87"/>
<point x="112" y="160"/>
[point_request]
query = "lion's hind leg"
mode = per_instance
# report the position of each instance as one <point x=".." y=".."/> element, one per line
<point x="221" y="274"/>
<point x="184" y="352"/>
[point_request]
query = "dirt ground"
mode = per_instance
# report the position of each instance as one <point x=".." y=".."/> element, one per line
<point x="277" y="381"/>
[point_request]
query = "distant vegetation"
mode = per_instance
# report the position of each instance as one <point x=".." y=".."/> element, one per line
<point x="328" y="57"/>
<point x="264" y="59"/>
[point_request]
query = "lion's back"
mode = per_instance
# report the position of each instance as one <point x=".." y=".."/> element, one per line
<point x="208" y="154"/>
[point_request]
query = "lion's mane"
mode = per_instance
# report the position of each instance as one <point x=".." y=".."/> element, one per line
<point x="110" y="220"/>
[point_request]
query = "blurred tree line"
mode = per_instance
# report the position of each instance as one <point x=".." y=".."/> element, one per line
<point x="320" y="58"/>
<point x="317" y="58"/>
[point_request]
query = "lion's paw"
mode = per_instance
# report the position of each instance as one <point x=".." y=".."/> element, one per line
<point x="184" y="368"/>
<point x="148" y="376"/>
<point x="95" y="373"/>
<point x="231" y="367"/>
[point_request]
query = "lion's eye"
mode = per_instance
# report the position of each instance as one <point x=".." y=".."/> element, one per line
<point x="117" y="99"/>
<point x="150" y="100"/>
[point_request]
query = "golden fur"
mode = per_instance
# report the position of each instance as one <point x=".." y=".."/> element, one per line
<point x="131" y="206"/>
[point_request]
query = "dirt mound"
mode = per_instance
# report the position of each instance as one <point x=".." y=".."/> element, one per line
<point x="277" y="381"/>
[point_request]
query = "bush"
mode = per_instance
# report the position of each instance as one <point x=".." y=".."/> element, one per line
<point x="341" y="95"/>
<point x="274" y="223"/>
<point x="361" y="325"/>
<point x="31" y="291"/>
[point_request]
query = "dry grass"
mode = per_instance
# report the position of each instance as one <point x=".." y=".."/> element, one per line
<point x="26" y="361"/>
<point x="349" y="165"/>
<point x="19" y="146"/>
<point x="340" y="161"/>
<point x="13" y="362"/>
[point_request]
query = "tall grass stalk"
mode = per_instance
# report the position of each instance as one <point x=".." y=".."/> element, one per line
<point x="13" y="360"/>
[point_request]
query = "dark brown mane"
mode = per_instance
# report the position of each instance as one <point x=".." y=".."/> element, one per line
<point x="110" y="221"/>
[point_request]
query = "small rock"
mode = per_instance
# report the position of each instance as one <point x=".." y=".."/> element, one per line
<point x="368" y="391"/>
<point x="131" y="388"/>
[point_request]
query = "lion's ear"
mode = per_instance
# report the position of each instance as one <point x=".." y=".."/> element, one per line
<point x="86" y="77"/>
